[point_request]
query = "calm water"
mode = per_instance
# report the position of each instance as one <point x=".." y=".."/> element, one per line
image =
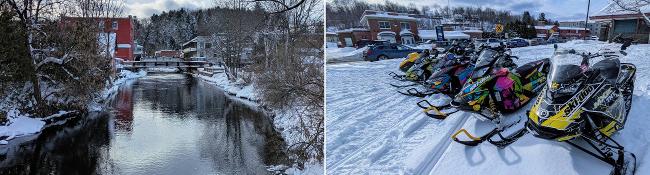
<point x="161" y="124"/>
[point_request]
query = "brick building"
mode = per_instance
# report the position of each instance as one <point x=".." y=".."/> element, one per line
<point x="391" y="26"/>
<point x="561" y="32"/>
<point x="118" y="32"/>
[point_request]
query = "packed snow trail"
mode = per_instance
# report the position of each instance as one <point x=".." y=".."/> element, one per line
<point x="372" y="129"/>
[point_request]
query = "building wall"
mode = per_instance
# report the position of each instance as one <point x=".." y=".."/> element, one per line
<point x="395" y="26"/>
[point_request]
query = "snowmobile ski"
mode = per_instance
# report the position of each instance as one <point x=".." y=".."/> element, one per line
<point x="503" y="142"/>
<point x="437" y="112"/>
<point x="415" y="92"/>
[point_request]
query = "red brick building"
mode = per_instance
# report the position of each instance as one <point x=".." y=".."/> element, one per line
<point x="349" y="37"/>
<point x="120" y="34"/>
<point x="391" y="26"/>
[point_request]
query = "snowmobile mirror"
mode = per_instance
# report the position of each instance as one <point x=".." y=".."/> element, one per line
<point x="555" y="46"/>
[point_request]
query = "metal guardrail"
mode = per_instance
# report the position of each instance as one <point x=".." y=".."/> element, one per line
<point x="160" y="63"/>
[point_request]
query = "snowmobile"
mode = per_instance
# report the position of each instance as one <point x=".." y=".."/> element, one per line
<point x="587" y="102"/>
<point x="495" y="88"/>
<point x="497" y="60"/>
<point x="420" y="68"/>
<point x="449" y="74"/>
<point x="424" y="67"/>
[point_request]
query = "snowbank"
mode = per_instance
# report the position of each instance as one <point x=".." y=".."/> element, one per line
<point x="372" y="129"/>
<point x="237" y="89"/>
<point x="19" y="125"/>
<point x="346" y="54"/>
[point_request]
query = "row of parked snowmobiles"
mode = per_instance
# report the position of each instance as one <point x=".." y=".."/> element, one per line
<point x="576" y="100"/>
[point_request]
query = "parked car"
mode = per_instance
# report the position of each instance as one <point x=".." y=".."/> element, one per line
<point x="388" y="51"/>
<point x="517" y="42"/>
<point x="553" y="41"/>
<point x="493" y="42"/>
<point x="537" y="41"/>
<point x="478" y="42"/>
<point x="365" y="42"/>
<point x="594" y="38"/>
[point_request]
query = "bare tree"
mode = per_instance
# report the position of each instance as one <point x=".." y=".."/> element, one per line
<point x="62" y="55"/>
<point x="633" y="6"/>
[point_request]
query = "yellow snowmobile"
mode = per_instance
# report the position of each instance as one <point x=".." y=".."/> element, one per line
<point x="589" y="103"/>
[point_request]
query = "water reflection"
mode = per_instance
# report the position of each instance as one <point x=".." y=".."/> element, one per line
<point x="162" y="124"/>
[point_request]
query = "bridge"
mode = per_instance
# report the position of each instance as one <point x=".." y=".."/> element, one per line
<point x="162" y="62"/>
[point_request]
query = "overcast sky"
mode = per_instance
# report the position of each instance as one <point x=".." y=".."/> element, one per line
<point x="146" y="8"/>
<point x="555" y="9"/>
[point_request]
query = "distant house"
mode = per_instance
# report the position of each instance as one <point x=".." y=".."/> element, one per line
<point x="614" y="22"/>
<point x="117" y="34"/>
<point x="594" y="28"/>
<point x="200" y="48"/>
<point x="169" y="53"/>
<point x="349" y="37"/>
<point x="391" y="26"/>
<point x="561" y="32"/>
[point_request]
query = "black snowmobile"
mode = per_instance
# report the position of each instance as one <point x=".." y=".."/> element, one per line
<point x="449" y="74"/>
<point x="587" y="102"/>
<point x="423" y="69"/>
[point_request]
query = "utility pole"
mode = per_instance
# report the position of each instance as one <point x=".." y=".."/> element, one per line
<point x="587" y="18"/>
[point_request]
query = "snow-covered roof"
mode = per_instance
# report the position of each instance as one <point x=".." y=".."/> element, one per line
<point x="405" y="32"/>
<point x="614" y="9"/>
<point x="353" y="30"/>
<point x="455" y="35"/>
<point x="330" y="33"/>
<point x="385" y="15"/>
<point x="431" y="34"/>
<point x="386" y="32"/>
<point x="473" y="31"/>
<point x="548" y="27"/>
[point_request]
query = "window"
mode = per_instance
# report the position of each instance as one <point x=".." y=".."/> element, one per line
<point x="384" y="25"/>
<point x="405" y="26"/>
<point x="208" y="45"/>
<point x="114" y="25"/>
<point x="101" y="25"/>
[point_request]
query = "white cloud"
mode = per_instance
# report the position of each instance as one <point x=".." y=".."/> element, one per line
<point x="146" y="8"/>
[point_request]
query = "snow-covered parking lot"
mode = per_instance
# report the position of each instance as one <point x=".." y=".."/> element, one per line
<point x="372" y="129"/>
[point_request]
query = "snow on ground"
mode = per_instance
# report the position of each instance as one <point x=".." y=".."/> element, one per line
<point x="237" y="89"/>
<point x="372" y="129"/>
<point x="346" y="54"/>
<point x="19" y="125"/>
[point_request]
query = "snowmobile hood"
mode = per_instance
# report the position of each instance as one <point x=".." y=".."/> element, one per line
<point x="472" y="94"/>
<point x="561" y="121"/>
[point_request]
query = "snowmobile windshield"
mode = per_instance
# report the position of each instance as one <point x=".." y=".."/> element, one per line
<point x="483" y="63"/>
<point x="486" y="57"/>
<point x="566" y="68"/>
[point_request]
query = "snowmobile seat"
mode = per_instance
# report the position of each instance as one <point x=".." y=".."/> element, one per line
<point x="608" y="69"/>
<point x="525" y="69"/>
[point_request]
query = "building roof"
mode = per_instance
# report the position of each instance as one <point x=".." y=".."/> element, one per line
<point x="386" y="32"/>
<point x="431" y="34"/>
<point x="352" y="30"/>
<point x="196" y="39"/>
<point x="548" y="27"/>
<point x="405" y="32"/>
<point x="613" y="10"/>
<point x="371" y="14"/>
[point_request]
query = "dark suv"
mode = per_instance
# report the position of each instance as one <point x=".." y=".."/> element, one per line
<point x="365" y="42"/>
<point x="388" y="51"/>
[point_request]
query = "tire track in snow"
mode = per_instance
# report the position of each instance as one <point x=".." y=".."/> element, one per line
<point x="440" y="149"/>
<point x="416" y="113"/>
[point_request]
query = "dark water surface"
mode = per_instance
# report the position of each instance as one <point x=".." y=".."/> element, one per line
<point x="161" y="124"/>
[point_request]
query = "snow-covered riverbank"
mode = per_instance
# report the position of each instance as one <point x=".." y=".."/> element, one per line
<point x="284" y="121"/>
<point x="20" y="124"/>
